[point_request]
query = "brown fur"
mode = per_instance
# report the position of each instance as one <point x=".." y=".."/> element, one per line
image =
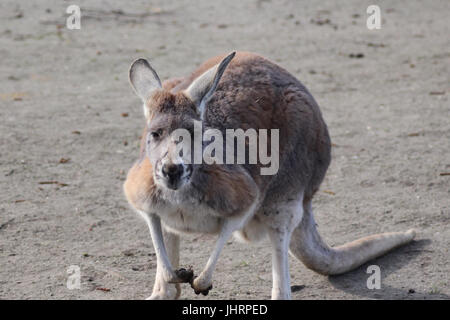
<point x="228" y="191"/>
<point x="165" y="102"/>
<point x="139" y="183"/>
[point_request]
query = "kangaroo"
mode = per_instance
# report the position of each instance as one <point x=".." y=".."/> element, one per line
<point x="175" y="196"/>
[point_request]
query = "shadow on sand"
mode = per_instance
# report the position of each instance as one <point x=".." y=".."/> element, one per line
<point x="355" y="282"/>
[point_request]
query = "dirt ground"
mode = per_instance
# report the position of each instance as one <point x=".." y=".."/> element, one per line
<point x="70" y="127"/>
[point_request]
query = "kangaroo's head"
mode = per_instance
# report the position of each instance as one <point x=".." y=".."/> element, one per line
<point x="170" y="120"/>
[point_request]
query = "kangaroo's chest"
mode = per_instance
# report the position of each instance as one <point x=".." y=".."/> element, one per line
<point x="190" y="219"/>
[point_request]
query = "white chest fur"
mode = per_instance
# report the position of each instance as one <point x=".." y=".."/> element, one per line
<point x="188" y="218"/>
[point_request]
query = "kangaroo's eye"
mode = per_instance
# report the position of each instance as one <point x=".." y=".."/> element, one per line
<point x="156" y="134"/>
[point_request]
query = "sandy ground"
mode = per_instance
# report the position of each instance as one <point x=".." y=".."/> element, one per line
<point x="64" y="94"/>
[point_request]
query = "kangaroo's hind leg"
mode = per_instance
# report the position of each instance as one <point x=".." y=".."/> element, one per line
<point x="281" y="222"/>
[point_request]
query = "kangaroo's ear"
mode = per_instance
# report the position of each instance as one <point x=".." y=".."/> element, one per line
<point x="201" y="90"/>
<point x="143" y="79"/>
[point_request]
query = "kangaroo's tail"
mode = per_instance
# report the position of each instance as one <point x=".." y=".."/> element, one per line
<point x="308" y="246"/>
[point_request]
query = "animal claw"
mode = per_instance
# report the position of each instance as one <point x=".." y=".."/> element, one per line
<point x="198" y="291"/>
<point x="184" y="275"/>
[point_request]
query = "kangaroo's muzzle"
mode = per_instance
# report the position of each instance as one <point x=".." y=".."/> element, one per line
<point x="174" y="175"/>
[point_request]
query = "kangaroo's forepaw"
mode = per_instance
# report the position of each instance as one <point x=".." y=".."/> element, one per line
<point x="201" y="285"/>
<point x="203" y="291"/>
<point x="187" y="276"/>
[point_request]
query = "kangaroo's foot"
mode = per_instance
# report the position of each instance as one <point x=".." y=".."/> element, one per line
<point x="162" y="290"/>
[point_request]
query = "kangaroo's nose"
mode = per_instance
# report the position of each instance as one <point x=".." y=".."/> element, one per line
<point x="172" y="171"/>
